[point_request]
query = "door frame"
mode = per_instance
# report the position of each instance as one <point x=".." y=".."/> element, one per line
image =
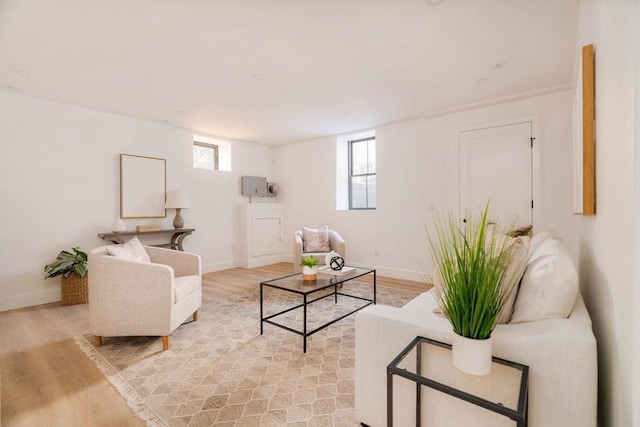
<point x="538" y="202"/>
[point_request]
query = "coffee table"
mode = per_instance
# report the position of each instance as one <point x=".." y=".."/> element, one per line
<point x="296" y="285"/>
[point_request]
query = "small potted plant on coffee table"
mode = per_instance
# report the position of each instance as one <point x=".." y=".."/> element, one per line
<point x="73" y="269"/>
<point x="309" y="268"/>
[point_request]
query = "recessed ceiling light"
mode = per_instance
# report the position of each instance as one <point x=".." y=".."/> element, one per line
<point x="344" y="115"/>
<point x="433" y="2"/>
<point x="258" y="76"/>
<point x="22" y="73"/>
<point x="483" y="81"/>
<point x="500" y="65"/>
<point x="180" y="112"/>
<point x="164" y="121"/>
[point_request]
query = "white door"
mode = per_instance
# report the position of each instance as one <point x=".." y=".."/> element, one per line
<point x="496" y="166"/>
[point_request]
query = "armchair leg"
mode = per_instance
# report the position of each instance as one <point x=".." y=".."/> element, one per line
<point x="195" y="316"/>
<point x="165" y="343"/>
<point x="98" y="340"/>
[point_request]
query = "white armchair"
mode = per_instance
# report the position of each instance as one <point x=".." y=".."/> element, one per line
<point x="135" y="298"/>
<point x="336" y="242"/>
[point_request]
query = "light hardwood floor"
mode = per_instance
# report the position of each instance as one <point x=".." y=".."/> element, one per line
<point x="46" y="380"/>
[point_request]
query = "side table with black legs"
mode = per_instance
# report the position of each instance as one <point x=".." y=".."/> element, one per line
<point x="410" y="365"/>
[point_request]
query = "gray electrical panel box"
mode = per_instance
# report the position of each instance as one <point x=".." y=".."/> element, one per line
<point x="254" y="186"/>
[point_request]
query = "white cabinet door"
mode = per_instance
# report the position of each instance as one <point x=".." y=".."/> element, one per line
<point x="267" y="235"/>
<point x="496" y="166"/>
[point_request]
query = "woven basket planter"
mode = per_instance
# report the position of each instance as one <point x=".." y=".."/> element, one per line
<point x="75" y="289"/>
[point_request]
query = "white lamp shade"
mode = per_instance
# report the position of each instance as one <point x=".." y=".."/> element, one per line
<point x="177" y="200"/>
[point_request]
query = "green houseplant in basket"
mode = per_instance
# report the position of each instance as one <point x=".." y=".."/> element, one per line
<point x="73" y="269"/>
<point x="470" y="264"/>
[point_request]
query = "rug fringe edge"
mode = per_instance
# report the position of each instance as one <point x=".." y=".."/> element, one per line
<point x="134" y="401"/>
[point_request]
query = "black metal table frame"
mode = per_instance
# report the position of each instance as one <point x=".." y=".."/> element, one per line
<point x="333" y="283"/>
<point x="519" y="416"/>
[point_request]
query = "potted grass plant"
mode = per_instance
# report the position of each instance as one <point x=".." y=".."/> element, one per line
<point x="470" y="263"/>
<point x="309" y="268"/>
<point x="73" y="269"/>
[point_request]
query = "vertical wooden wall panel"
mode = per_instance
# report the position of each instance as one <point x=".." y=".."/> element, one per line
<point x="588" y="132"/>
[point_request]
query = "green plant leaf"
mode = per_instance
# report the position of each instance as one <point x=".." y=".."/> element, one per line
<point x="66" y="263"/>
<point x="309" y="261"/>
<point x="470" y="262"/>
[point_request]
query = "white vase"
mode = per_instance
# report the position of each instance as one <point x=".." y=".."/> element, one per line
<point x="118" y="226"/>
<point x="472" y="356"/>
<point x="309" y="273"/>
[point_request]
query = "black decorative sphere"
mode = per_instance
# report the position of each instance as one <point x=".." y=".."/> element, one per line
<point x="336" y="263"/>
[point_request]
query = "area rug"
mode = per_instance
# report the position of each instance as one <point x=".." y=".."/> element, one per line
<point x="219" y="371"/>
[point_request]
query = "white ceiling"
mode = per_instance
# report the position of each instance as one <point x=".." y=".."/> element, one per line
<point x="327" y="67"/>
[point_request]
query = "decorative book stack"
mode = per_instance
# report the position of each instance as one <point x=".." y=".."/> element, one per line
<point x="345" y="271"/>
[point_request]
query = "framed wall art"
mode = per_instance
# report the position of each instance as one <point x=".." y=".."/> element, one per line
<point x="142" y="186"/>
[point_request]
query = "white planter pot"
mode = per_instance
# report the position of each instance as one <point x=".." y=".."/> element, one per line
<point x="309" y="273"/>
<point x="472" y="356"/>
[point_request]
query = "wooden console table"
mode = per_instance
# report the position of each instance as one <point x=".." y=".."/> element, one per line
<point x="178" y="235"/>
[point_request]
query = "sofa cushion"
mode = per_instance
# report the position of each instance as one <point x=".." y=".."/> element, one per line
<point x="185" y="285"/>
<point x="316" y="239"/>
<point x="132" y="250"/>
<point x="524" y="230"/>
<point x="549" y="286"/>
<point x="517" y="255"/>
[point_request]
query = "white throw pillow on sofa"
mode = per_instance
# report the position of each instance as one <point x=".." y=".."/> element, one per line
<point x="549" y="286"/>
<point x="132" y="250"/>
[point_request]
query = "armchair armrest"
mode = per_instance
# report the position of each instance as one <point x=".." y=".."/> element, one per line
<point x="337" y="243"/>
<point x="121" y="290"/>
<point x="183" y="263"/>
<point x="297" y="251"/>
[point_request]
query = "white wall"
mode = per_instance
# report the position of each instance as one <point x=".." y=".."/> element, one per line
<point x="59" y="187"/>
<point x="417" y="174"/>
<point x="608" y="253"/>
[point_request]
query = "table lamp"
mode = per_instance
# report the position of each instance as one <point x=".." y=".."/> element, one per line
<point x="177" y="200"/>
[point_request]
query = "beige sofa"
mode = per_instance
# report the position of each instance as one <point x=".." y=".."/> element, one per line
<point x="137" y="298"/>
<point x="560" y="352"/>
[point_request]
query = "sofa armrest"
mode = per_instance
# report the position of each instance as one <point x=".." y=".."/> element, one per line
<point x="183" y="263"/>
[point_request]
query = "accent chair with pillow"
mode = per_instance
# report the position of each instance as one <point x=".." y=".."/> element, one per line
<point x="137" y="290"/>
<point x="547" y="328"/>
<point x="317" y="242"/>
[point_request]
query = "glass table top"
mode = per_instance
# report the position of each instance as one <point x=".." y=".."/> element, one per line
<point x="295" y="282"/>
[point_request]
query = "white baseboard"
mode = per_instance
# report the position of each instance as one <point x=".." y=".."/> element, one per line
<point x="251" y="263"/>
<point x="395" y="273"/>
<point x="399" y="274"/>
<point x="218" y="266"/>
<point x="30" y="299"/>
<point x="264" y="260"/>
